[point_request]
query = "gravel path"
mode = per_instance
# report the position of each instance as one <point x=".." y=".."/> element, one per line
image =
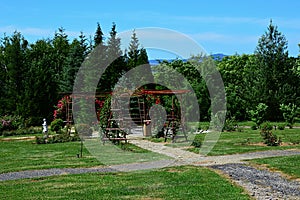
<point x="185" y="157"/>
<point x="261" y="184"/>
<point x="103" y="169"/>
<point x="51" y="172"/>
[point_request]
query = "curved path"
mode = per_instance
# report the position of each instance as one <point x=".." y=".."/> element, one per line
<point x="186" y="157"/>
<point x="261" y="184"/>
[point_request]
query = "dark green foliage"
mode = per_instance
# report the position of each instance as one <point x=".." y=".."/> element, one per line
<point x="112" y="56"/>
<point x="41" y="85"/>
<point x="33" y="77"/>
<point x="258" y="116"/>
<point x="98" y="38"/>
<point x="290" y="113"/>
<point x="197" y="142"/>
<point x="14" y="61"/>
<point x="160" y="133"/>
<point x="273" y="66"/>
<point x="11" y="122"/>
<point x="57" y="125"/>
<point x="36" y="73"/>
<point x="131" y="147"/>
<point x="40" y="140"/>
<point x="266" y="126"/>
<point x="230" y="124"/>
<point x="105" y="112"/>
<point x="168" y="73"/>
<point x="281" y="127"/>
<point x="269" y="138"/>
<point x="77" y="52"/>
<point x="61" y="46"/>
<point x="60" y="138"/>
<point x="105" y="115"/>
<point x="235" y="76"/>
<point x="23" y="131"/>
<point x="138" y="57"/>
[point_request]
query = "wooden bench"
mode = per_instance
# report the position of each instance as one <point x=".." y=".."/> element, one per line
<point x="118" y="138"/>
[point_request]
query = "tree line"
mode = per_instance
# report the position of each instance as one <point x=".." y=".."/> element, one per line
<point x="34" y="76"/>
<point x="263" y="85"/>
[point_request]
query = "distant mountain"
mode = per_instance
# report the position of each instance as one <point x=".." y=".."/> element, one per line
<point x="218" y="56"/>
<point x="157" y="61"/>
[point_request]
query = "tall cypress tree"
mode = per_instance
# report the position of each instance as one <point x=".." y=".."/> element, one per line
<point x="3" y="81"/>
<point x="76" y="55"/>
<point x="61" y="50"/>
<point x="273" y="68"/>
<point x="116" y="62"/>
<point x="113" y="45"/>
<point x="14" y="62"/>
<point x="41" y="86"/>
<point x="134" y="51"/>
<point x="138" y="57"/>
<point x="98" y="38"/>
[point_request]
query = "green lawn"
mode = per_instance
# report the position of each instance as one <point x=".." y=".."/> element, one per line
<point x="205" y="124"/>
<point x="286" y="164"/>
<point x="248" y="141"/>
<point x="24" y="155"/>
<point x="184" y="182"/>
<point x="169" y="183"/>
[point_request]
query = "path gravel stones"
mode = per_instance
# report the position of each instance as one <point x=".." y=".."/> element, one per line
<point x="261" y="184"/>
<point x="185" y="157"/>
<point x="51" y="172"/>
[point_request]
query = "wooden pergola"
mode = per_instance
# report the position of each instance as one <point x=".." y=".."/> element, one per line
<point x="143" y="110"/>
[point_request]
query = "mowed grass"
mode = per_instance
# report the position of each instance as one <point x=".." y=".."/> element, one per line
<point x="24" y="155"/>
<point x="287" y="164"/>
<point x="185" y="182"/>
<point x="250" y="141"/>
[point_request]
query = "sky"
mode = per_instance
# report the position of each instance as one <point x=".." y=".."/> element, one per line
<point x="227" y="27"/>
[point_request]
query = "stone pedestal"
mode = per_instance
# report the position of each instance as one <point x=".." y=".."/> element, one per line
<point x="147" y="128"/>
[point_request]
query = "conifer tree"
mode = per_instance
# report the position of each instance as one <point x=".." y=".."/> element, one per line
<point x="134" y="51"/>
<point x="115" y="61"/>
<point x="98" y="38"/>
<point x="41" y="86"/>
<point x="61" y="50"/>
<point x="138" y="57"/>
<point x="273" y="68"/>
<point x="14" y="62"/>
<point x="3" y="81"/>
<point x="76" y="55"/>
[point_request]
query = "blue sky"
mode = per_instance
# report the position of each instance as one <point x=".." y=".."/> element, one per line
<point x="227" y="27"/>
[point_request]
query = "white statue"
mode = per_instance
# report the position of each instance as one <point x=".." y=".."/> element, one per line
<point x="45" y="128"/>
